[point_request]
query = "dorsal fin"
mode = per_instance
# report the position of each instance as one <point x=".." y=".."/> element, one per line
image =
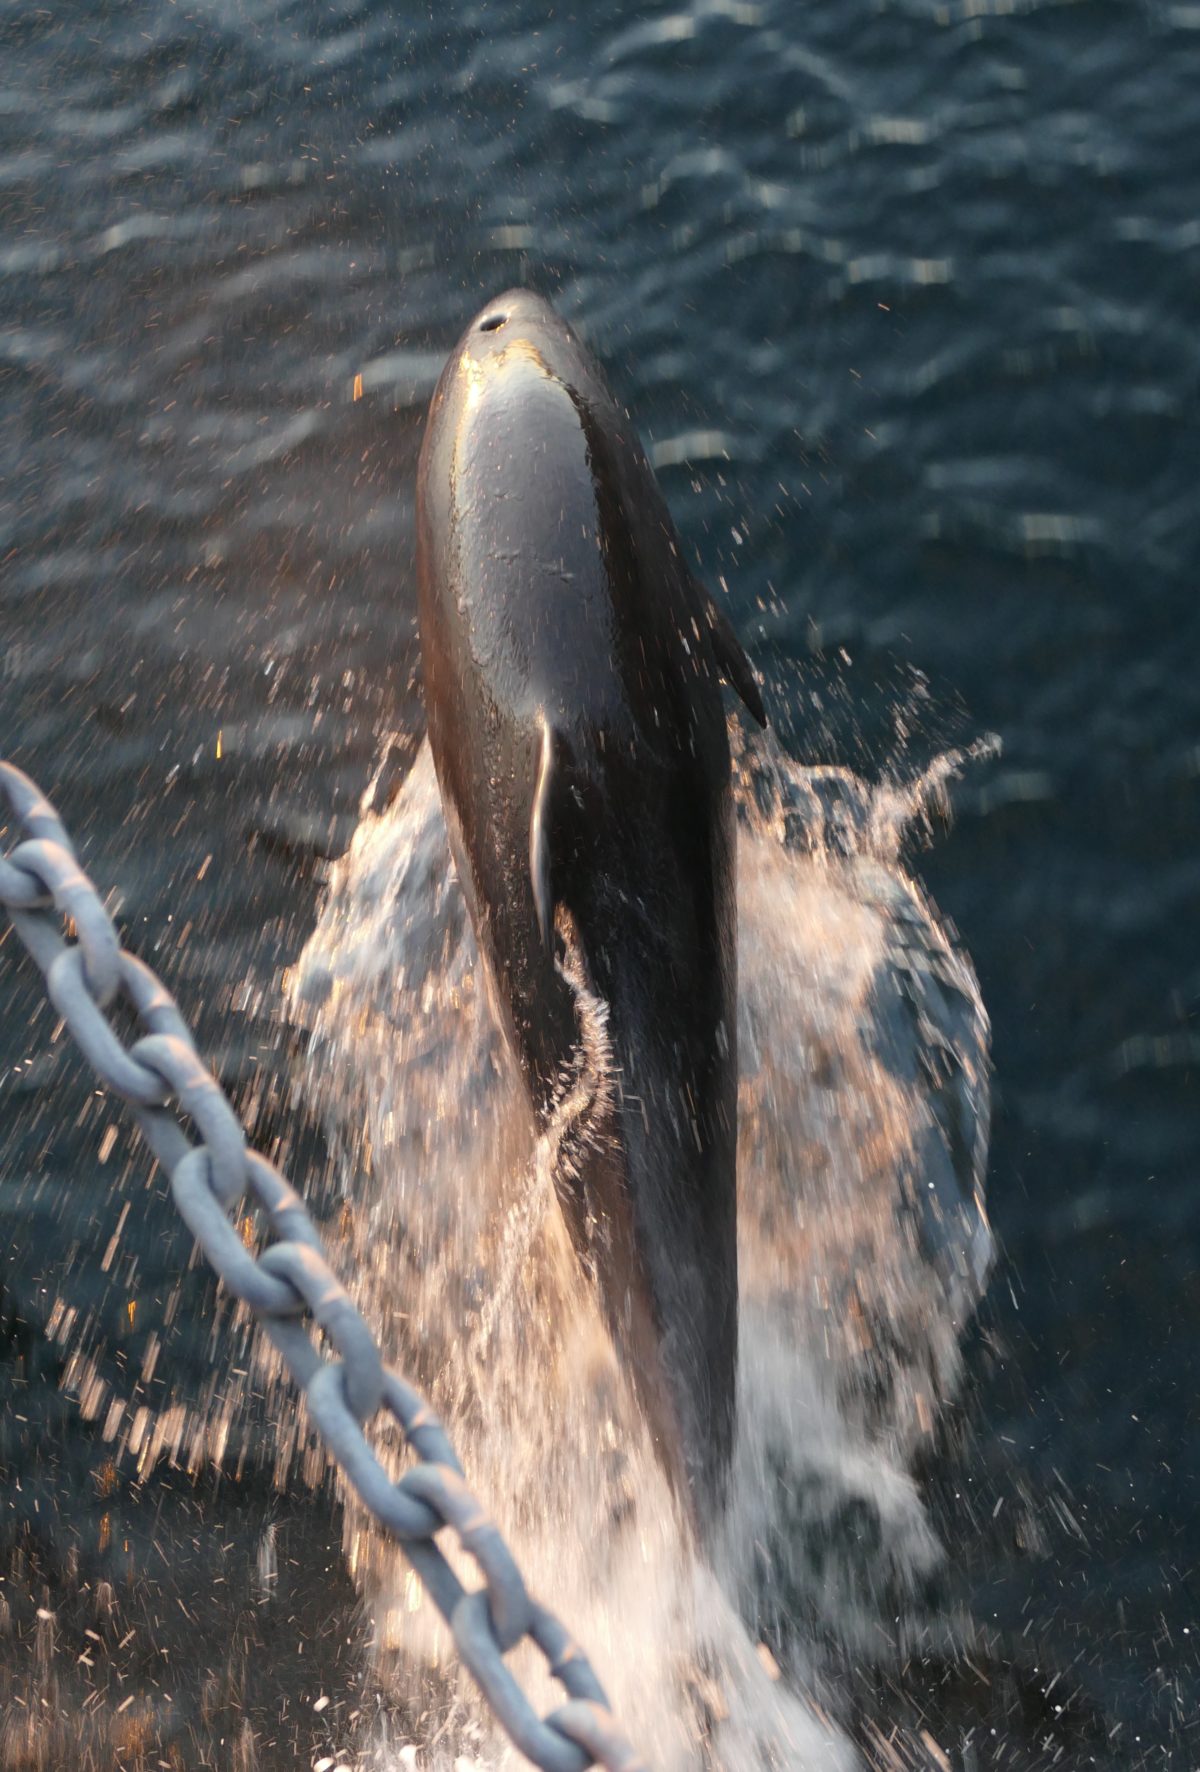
<point x="729" y="654"/>
<point x="539" y="833"/>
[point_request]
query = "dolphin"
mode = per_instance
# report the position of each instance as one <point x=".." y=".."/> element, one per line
<point x="572" y="670"/>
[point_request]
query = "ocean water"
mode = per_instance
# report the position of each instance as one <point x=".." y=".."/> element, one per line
<point x="904" y="300"/>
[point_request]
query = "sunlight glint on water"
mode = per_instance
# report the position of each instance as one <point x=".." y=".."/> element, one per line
<point x="863" y="1245"/>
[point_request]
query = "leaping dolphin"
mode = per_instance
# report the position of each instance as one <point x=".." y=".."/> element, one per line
<point x="572" y="668"/>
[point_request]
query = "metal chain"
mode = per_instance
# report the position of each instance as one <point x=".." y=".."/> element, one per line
<point x="41" y="882"/>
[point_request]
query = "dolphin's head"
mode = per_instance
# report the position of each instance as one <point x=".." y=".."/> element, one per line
<point x="520" y="330"/>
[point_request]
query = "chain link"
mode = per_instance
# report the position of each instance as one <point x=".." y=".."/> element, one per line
<point x="41" y="882"/>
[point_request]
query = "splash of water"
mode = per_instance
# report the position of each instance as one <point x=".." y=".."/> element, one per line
<point x="863" y="1245"/>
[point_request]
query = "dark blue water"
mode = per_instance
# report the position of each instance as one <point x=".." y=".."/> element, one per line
<point x="905" y="299"/>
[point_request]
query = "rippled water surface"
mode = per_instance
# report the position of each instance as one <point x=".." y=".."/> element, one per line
<point x="904" y="300"/>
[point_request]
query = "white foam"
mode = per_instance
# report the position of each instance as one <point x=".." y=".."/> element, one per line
<point x="862" y="1246"/>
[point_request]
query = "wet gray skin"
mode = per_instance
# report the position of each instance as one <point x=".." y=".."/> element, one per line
<point x="573" y="669"/>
